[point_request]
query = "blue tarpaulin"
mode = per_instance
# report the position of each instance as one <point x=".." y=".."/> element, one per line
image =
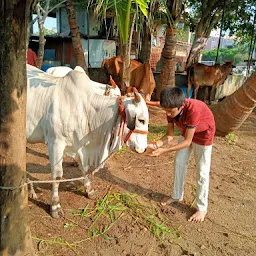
<point x="184" y="89"/>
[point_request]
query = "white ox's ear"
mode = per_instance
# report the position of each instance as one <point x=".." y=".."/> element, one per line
<point x="80" y="69"/>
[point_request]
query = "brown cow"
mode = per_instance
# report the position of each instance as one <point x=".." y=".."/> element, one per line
<point x="202" y="75"/>
<point x="114" y="67"/>
<point x="141" y="75"/>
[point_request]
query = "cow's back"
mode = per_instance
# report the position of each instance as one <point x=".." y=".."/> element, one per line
<point x="55" y="106"/>
<point x="114" y="67"/>
<point x="143" y="79"/>
<point x="205" y="75"/>
<point x="59" y="71"/>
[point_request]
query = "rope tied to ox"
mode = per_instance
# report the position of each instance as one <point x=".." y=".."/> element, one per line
<point x="31" y="182"/>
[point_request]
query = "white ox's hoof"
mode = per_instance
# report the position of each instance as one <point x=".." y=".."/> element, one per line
<point x="91" y="194"/>
<point x="56" y="212"/>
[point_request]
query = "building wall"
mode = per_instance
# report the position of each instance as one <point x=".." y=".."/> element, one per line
<point x="62" y="21"/>
<point x="99" y="49"/>
<point x="212" y="43"/>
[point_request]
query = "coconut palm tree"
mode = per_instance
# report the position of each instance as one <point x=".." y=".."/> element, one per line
<point x="167" y="76"/>
<point x="15" y="236"/>
<point x="230" y="113"/>
<point x="76" y="41"/>
<point x="144" y="54"/>
<point x="126" y="13"/>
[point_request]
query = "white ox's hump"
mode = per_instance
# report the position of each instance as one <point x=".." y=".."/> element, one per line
<point x="57" y="102"/>
<point x="59" y="71"/>
<point x="80" y="69"/>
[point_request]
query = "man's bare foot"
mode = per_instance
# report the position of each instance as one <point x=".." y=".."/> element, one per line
<point x="198" y="216"/>
<point x="169" y="200"/>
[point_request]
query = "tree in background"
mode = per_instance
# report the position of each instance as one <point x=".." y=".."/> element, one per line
<point x="167" y="77"/>
<point x="43" y="8"/>
<point x="238" y="53"/>
<point x="14" y="225"/>
<point x="240" y="21"/>
<point x="75" y="34"/>
<point x="205" y="15"/>
<point x="47" y="32"/>
<point x="144" y="54"/>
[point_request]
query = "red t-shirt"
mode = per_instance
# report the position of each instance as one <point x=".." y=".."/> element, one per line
<point x="196" y="114"/>
<point x="31" y="58"/>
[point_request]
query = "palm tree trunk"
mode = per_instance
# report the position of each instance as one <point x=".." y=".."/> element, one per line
<point x="232" y="112"/>
<point x="144" y="55"/>
<point x="76" y="41"/>
<point x="15" y="236"/>
<point x="125" y="54"/>
<point x="126" y="74"/>
<point x="167" y="76"/>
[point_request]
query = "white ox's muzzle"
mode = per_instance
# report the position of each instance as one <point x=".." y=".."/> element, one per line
<point x="137" y="140"/>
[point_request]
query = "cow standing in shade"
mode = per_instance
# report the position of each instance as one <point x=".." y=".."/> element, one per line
<point x="202" y="75"/>
<point x="67" y="115"/>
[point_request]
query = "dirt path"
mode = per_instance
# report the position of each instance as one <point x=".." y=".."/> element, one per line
<point x="230" y="226"/>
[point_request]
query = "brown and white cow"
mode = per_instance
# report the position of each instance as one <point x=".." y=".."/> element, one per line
<point x="202" y="75"/>
<point x="142" y="77"/>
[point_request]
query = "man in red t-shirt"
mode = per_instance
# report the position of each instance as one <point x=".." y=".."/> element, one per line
<point x="31" y="57"/>
<point x="197" y="126"/>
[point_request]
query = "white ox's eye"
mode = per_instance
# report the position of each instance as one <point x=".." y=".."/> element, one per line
<point x="142" y="121"/>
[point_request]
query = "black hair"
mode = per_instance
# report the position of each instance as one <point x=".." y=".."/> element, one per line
<point x="172" y="97"/>
<point x="29" y="44"/>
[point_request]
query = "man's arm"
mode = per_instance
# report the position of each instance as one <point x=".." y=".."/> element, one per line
<point x="166" y="139"/>
<point x="183" y="144"/>
<point x="186" y="142"/>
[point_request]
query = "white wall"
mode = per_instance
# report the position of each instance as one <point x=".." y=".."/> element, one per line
<point x="99" y="50"/>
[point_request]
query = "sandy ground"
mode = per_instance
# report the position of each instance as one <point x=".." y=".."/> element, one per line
<point x="229" y="229"/>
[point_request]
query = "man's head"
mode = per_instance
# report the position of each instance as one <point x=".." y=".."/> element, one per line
<point x="172" y="100"/>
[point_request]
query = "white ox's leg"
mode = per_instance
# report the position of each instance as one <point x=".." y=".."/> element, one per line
<point x="84" y="169"/>
<point x="56" y="149"/>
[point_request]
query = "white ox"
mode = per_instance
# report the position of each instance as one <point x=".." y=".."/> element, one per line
<point x="67" y="115"/>
<point x="102" y="89"/>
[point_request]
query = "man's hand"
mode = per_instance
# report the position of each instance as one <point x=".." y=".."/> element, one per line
<point x="159" y="151"/>
<point x="152" y="145"/>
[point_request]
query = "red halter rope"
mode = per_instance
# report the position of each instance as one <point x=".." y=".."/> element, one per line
<point x="123" y="121"/>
